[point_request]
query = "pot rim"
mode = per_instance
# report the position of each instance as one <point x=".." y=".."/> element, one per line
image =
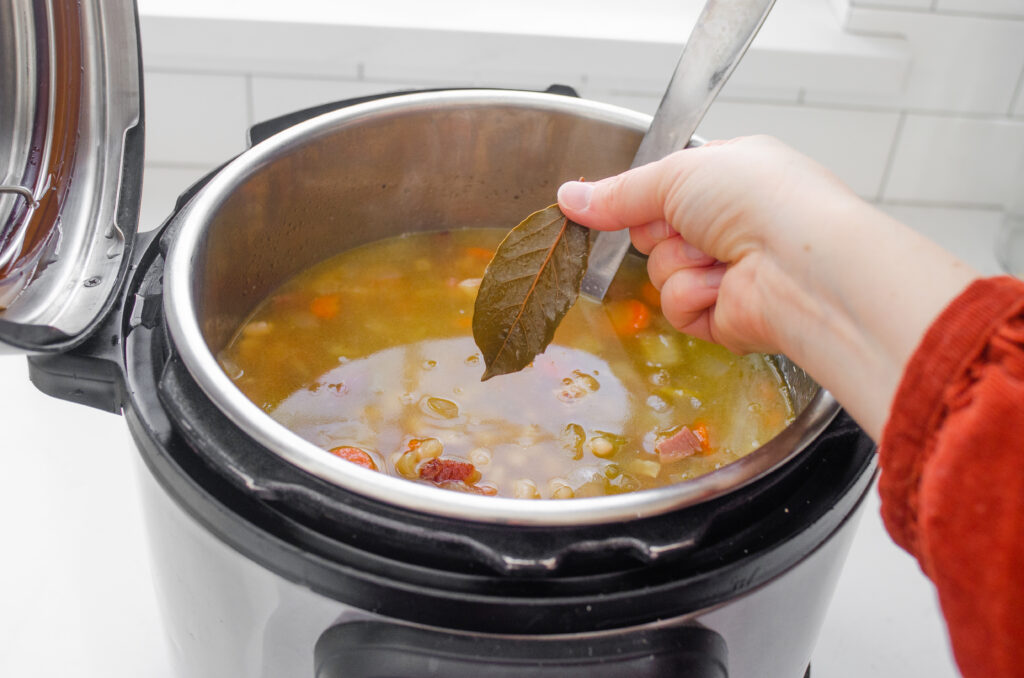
<point x="180" y="309"/>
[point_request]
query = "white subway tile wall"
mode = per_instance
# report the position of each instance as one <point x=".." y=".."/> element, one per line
<point x="956" y="160"/>
<point x="645" y="103"/>
<point x="841" y="8"/>
<point x="959" y="63"/>
<point x="970" y="233"/>
<point x="910" y="101"/>
<point x="854" y="144"/>
<point x="274" y="96"/>
<point x="161" y="187"/>
<point x="1018" y="104"/>
<point x="195" y="118"/>
<point x="239" y="45"/>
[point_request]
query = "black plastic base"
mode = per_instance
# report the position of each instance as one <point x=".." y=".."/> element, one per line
<point x="373" y="650"/>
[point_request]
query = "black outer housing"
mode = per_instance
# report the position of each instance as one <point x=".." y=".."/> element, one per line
<point x="375" y="650"/>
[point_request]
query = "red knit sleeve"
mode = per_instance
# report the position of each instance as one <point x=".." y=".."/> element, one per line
<point x="952" y="481"/>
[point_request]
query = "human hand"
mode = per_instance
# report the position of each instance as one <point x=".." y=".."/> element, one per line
<point x="759" y="248"/>
<point x="727" y="226"/>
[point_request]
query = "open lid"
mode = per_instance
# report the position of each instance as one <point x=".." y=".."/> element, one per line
<point x="71" y="137"/>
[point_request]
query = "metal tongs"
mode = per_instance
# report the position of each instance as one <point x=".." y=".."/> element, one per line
<point x="723" y="32"/>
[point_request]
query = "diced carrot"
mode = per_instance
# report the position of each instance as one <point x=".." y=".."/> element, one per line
<point x="480" y="253"/>
<point x="641" y="315"/>
<point x="630" y="316"/>
<point x="701" y="431"/>
<point x="325" y="306"/>
<point x="354" y="455"/>
<point x="651" y="295"/>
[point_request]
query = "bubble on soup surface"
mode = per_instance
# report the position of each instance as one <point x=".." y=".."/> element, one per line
<point x="480" y="456"/>
<point x="658" y="404"/>
<point x="658" y="378"/>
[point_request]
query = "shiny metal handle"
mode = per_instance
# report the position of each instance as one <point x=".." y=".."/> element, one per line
<point x="723" y="32"/>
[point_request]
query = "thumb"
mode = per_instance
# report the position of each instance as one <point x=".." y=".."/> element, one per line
<point x="633" y="198"/>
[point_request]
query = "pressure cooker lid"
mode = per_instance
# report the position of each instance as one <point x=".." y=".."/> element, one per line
<point x="70" y="166"/>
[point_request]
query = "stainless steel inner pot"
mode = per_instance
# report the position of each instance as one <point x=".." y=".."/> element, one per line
<point x="426" y="161"/>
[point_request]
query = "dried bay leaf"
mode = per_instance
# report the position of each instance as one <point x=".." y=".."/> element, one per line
<point x="530" y="284"/>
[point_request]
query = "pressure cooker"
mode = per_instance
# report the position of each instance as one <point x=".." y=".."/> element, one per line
<point x="274" y="560"/>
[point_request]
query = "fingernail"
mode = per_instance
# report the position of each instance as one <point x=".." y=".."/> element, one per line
<point x="692" y="252"/>
<point x="713" y="278"/>
<point x="575" y="195"/>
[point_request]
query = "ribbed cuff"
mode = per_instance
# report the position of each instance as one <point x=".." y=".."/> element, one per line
<point x="951" y="345"/>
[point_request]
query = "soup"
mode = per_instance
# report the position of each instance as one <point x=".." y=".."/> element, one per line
<point x="370" y="356"/>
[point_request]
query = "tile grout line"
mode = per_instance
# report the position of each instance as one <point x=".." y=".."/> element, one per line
<point x="1017" y="93"/>
<point x="874" y="7"/>
<point x="934" y="9"/>
<point x="868" y="108"/>
<point x="891" y="159"/>
<point x="994" y="16"/>
<point x="350" y="79"/>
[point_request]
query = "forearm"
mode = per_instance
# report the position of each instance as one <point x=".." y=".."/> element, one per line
<point x="872" y="288"/>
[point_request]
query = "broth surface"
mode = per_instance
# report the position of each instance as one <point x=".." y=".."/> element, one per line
<point x="370" y="355"/>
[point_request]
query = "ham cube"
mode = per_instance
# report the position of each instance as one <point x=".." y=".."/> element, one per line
<point x="683" y="444"/>
<point x="444" y="470"/>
